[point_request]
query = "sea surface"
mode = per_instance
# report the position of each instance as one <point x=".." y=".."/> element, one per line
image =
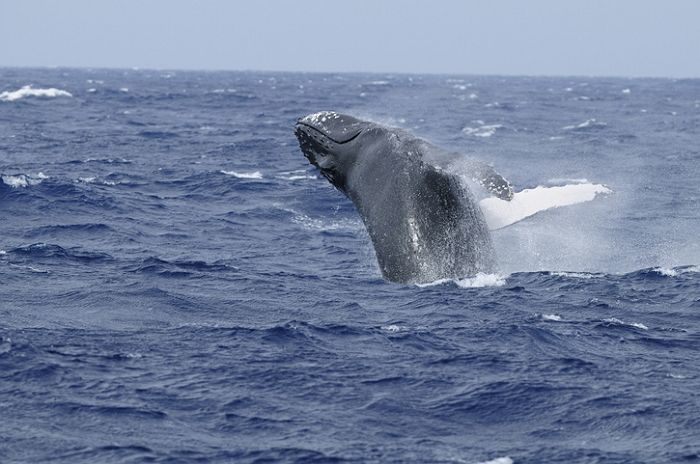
<point x="178" y="284"/>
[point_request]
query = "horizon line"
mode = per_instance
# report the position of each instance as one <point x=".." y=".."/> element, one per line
<point x="384" y="73"/>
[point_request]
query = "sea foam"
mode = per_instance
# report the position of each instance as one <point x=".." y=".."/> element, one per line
<point x="243" y="175"/>
<point x="23" y="180"/>
<point x="479" y="280"/>
<point x="29" y="91"/>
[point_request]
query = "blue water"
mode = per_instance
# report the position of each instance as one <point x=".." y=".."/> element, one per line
<point x="178" y="285"/>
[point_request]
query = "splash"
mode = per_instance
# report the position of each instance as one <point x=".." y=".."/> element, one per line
<point x="479" y="280"/>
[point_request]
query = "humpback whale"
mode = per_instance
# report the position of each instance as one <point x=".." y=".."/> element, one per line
<point x="423" y="220"/>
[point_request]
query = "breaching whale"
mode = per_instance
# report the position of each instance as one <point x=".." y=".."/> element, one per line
<point x="424" y="222"/>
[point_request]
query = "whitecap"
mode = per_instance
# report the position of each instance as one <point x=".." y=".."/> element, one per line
<point x="393" y="328"/>
<point x="485" y="130"/>
<point x="297" y="177"/>
<point x="23" y="180"/>
<point x="29" y="91"/>
<point x="664" y="271"/>
<point x="637" y="325"/>
<point x="501" y="460"/>
<point x="588" y="123"/>
<point x="576" y="275"/>
<point x="299" y="174"/>
<point x="243" y="175"/>
<point x="626" y="91"/>
<point x="94" y="180"/>
<point x="501" y="213"/>
<point x="551" y="317"/>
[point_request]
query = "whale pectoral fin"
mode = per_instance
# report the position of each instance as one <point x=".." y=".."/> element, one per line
<point x="486" y="176"/>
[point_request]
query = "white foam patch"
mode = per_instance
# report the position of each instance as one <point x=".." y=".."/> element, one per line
<point x="666" y="271"/>
<point x="393" y="328"/>
<point x="483" y="130"/>
<point x="243" y="175"/>
<point x="24" y="180"/>
<point x="586" y="124"/>
<point x="576" y="275"/>
<point x="614" y="320"/>
<point x="501" y="213"/>
<point x="551" y="317"/>
<point x="300" y="174"/>
<point x="479" y="280"/>
<point x="94" y="180"/>
<point x="29" y="91"/>
<point x="501" y="460"/>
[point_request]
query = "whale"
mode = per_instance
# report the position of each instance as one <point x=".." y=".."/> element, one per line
<point x="415" y="199"/>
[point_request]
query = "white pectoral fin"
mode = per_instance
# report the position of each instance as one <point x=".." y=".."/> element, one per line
<point x="501" y="213"/>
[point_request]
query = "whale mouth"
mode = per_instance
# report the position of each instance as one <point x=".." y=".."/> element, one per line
<point x="318" y="149"/>
<point x="339" y="128"/>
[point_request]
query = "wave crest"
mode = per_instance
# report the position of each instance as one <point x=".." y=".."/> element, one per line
<point x="29" y="91"/>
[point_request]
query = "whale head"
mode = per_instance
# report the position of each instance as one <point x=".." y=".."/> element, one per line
<point x="328" y="140"/>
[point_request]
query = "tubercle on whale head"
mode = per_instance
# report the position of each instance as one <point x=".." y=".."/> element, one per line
<point x="340" y="128"/>
<point x="321" y="152"/>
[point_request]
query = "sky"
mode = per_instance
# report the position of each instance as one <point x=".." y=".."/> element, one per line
<point x="654" y="38"/>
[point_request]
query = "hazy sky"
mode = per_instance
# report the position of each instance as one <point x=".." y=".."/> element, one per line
<point x="534" y="37"/>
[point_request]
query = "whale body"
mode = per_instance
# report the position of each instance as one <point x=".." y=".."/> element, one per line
<point x="423" y="220"/>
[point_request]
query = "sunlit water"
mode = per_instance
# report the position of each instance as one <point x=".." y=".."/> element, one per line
<point x="177" y="284"/>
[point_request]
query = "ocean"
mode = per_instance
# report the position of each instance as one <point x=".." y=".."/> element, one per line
<point x="178" y="284"/>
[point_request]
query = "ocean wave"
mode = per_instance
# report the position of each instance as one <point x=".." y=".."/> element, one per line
<point x="588" y="124"/>
<point x="482" y="130"/>
<point x="299" y="174"/>
<point x="29" y="91"/>
<point x="576" y="275"/>
<point x="616" y="321"/>
<point x="501" y="460"/>
<point x="243" y="175"/>
<point x="655" y="273"/>
<point x="105" y="160"/>
<point x="69" y="229"/>
<point x="95" y="180"/>
<point x="52" y="251"/>
<point x="179" y="268"/>
<point x="23" y="180"/>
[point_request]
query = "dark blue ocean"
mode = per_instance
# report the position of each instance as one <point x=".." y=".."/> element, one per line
<point x="178" y="284"/>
